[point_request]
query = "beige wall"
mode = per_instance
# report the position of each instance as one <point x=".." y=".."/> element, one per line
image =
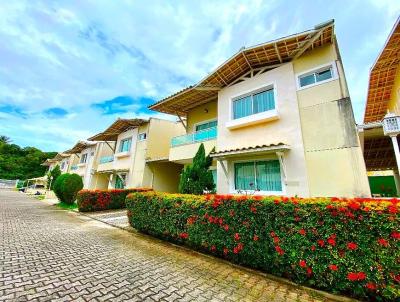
<point x="184" y="154"/>
<point x="394" y="103"/>
<point x="202" y="113"/>
<point x="285" y="129"/>
<point x="164" y="176"/>
<point x="334" y="158"/>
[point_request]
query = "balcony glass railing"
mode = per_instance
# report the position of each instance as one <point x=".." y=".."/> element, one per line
<point x="199" y="136"/>
<point x="106" y="159"/>
<point x="74" y="167"/>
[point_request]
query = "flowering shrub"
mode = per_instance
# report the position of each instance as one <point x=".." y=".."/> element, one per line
<point x="348" y="246"/>
<point x="99" y="200"/>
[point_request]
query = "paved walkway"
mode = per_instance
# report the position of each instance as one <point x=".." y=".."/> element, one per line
<point x="49" y="254"/>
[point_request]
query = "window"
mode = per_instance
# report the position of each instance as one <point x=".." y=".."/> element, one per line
<point x="323" y="74"/>
<point x="125" y="145"/>
<point x="259" y="175"/>
<point x="142" y="136"/>
<point x="83" y="158"/>
<point x="254" y="103"/>
<point x="62" y="165"/>
<point x="120" y="181"/>
<point x="205" y="126"/>
<point x="214" y="174"/>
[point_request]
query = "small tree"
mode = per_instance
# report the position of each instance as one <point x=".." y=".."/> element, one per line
<point x="197" y="178"/>
<point x="52" y="177"/>
<point x="58" y="185"/>
<point x="67" y="187"/>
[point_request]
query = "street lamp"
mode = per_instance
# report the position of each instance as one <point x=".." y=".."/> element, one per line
<point x="391" y="127"/>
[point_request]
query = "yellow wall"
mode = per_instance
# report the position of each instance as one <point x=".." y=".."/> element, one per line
<point x="199" y="114"/>
<point x="394" y="103"/>
<point x="334" y="157"/>
<point x="184" y="154"/>
<point x="164" y="176"/>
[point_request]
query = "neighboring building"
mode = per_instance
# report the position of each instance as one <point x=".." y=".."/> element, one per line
<point x="383" y="109"/>
<point x="86" y="159"/>
<point x="63" y="160"/>
<point x="138" y="155"/>
<point x="279" y="117"/>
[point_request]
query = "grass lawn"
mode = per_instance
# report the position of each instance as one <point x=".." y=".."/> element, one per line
<point x="66" y="206"/>
<point x="39" y="197"/>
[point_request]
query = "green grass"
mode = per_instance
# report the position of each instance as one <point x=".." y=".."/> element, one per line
<point x="39" y="197"/>
<point x="66" y="206"/>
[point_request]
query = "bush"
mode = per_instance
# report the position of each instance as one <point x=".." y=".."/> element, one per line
<point x="348" y="246"/>
<point x="99" y="200"/>
<point x="52" y="177"/>
<point x="58" y="184"/>
<point x="67" y="186"/>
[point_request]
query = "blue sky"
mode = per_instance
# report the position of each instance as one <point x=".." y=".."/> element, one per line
<point x="69" y="68"/>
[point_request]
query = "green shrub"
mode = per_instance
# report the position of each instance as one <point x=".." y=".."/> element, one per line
<point x="67" y="186"/>
<point x="348" y="246"/>
<point x="100" y="200"/>
<point x="197" y="178"/>
<point x="70" y="188"/>
<point x="58" y="184"/>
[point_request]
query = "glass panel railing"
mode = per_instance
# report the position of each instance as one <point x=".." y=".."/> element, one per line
<point x="74" y="167"/>
<point x="106" y="159"/>
<point x="199" y="136"/>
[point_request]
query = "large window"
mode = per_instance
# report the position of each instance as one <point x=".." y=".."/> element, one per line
<point x="258" y="175"/>
<point x="314" y="77"/>
<point x="254" y="103"/>
<point x="142" y="136"/>
<point x="125" y="145"/>
<point x="205" y="126"/>
<point x="83" y="158"/>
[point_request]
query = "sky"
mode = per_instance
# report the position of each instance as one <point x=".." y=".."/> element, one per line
<point x="68" y="69"/>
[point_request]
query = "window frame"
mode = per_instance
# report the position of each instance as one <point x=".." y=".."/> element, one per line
<point x="145" y="136"/>
<point x="122" y="143"/>
<point x="83" y="159"/>
<point x="252" y="91"/>
<point x="204" y="122"/>
<point x="233" y="189"/>
<point x="331" y="65"/>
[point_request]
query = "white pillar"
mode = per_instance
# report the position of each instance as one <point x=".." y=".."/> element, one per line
<point x="396" y="151"/>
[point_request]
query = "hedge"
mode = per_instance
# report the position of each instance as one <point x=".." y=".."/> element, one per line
<point x="346" y="246"/>
<point x="99" y="200"/>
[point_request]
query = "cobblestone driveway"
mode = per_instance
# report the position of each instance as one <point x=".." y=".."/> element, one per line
<point x="47" y="254"/>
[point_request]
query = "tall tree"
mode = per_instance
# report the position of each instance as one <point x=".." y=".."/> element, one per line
<point x="197" y="178"/>
<point x="5" y="139"/>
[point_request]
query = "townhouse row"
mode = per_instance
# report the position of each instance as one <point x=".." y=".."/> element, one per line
<point x="276" y="119"/>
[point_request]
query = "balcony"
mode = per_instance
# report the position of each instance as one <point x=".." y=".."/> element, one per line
<point x="106" y="159"/>
<point x="195" y="137"/>
<point x="184" y="147"/>
<point x="74" y="167"/>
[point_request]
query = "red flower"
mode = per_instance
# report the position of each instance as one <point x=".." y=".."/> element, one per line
<point x="352" y="246"/>
<point x="392" y="209"/>
<point x="226" y="251"/>
<point x="220" y="221"/>
<point x="331" y="241"/>
<point x="231" y="213"/>
<point x="354" y="205"/>
<point x="330" y="207"/>
<point x="352" y="276"/>
<point x="383" y="242"/>
<point x="321" y="243"/>
<point x="361" y="276"/>
<point x="240" y="246"/>
<point x="395" y="235"/>
<point x="371" y="286"/>
<point x="255" y="237"/>
<point x="235" y="250"/>
<point x="213" y="248"/>
<point x="253" y="209"/>
<point x="272" y="234"/>
<point x="313" y="248"/>
<point x="276" y="240"/>
<point x="184" y="235"/>
<point x="302" y="232"/>
<point x="333" y="267"/>
<point x="226" y="227"/>
<point x="309" y="271"/>
<point x="236" y="236"/>
<point x="302" y="263"/>
<point x="279" y="250"/>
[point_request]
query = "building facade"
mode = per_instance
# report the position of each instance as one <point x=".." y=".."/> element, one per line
<point x="277" y="119"/>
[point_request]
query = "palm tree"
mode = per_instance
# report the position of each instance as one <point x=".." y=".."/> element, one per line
<point x="5" y="139"/>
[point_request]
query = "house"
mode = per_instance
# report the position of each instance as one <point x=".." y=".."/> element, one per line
<point x="138" y="155"/>
<point x="86" y="160"/>
<point x="277" y="119"/>
<point x="63" y="160"/>
<point x="379" y="132"/>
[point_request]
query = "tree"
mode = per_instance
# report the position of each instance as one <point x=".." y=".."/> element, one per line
<point x="67" y="186"/>
<point x="5" y="139"/>
<point x="52" y="177"/>
<point x="197" y="178"/>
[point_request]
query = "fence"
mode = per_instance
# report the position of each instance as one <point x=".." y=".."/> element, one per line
<point x="8" y="184"/>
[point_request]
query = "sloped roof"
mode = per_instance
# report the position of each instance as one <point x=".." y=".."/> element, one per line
<point x="251" y="149"/>
<point x="60" y="156"/>
<point x="258" y="58"/>
<point x="382" y="77"/>
<point x="116" y="128"/>
<point x="48" y="162"/>
<point x="79" y="146"/>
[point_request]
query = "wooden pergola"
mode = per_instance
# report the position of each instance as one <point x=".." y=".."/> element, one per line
<point x="79" y="147"/>
<point x="378" y="149"/>
<point x="116" y="128"/>
<point x="246" y="63"/>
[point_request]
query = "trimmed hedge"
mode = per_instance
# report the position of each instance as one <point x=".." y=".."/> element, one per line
<point x="347" y="246"/>
<point x="67" y="186"/>
<point x="100" y="200"/>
